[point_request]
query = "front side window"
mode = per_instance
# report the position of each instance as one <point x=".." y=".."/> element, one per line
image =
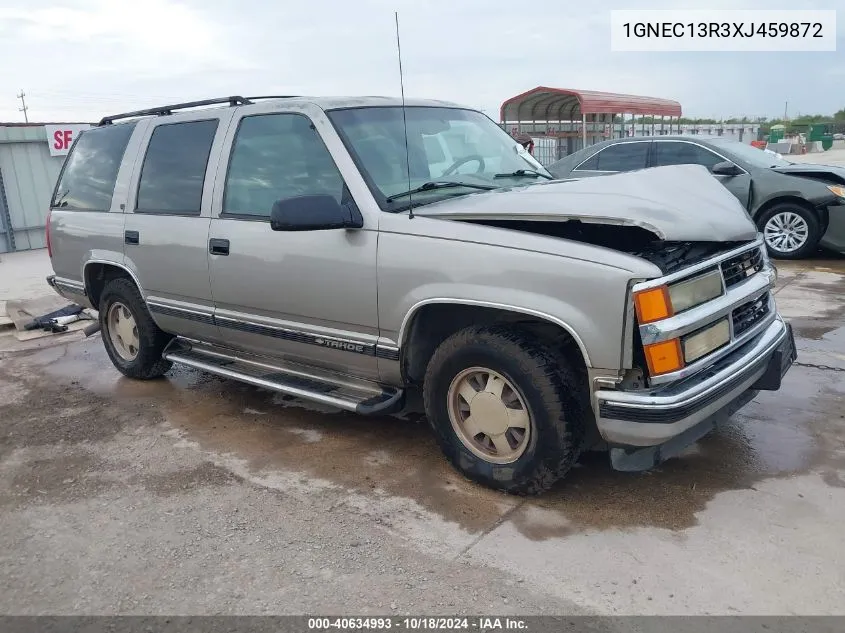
<point x="591" y="164"/>
<point x="90" y="171"/>
<point x="680" y="153"/>
<point x="173" y="172"/>
<point x="451" y="145"/>
<point x="276" y="157"/>
<point x="622" y="157"/>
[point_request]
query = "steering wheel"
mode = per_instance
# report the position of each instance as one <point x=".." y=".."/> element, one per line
<point x="466" y="159"/>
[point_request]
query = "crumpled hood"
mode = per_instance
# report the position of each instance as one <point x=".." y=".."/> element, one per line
<point x="677" y="203"/>
<point x="797" y="169"/>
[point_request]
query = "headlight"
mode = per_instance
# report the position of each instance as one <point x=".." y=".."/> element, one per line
<point x="707" y="340"/>
<point x="837" y="190"/>
<point x="695" y="291"/>
<point x="663" y="302"/>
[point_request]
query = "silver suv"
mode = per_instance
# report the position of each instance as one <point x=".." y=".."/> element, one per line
<point x="350" y="250"/>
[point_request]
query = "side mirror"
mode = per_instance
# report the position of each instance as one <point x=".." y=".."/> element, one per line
<point x="726" y="168"/>
<point x="314" y="213"/>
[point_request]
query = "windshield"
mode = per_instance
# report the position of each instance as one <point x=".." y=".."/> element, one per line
<point x="444" y="145"/>
<point x="751" y="155"/>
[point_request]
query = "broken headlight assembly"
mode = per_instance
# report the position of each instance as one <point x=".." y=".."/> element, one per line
<point x="665" y="301"/>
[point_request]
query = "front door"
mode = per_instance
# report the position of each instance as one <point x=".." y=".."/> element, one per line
<point x="306" y="296"/>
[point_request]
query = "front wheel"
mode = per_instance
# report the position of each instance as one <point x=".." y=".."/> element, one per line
<point x="790" y="231"/>
<point x="132" y="339"/>
<point x="504" y="410"/>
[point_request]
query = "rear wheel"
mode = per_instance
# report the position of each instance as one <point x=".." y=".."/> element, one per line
<point x="504" y="409"/>
<point x="132" y="339"/>
<point x="790" y="230"/>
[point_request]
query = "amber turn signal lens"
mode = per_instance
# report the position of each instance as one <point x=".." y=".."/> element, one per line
<point x="664" y="357"/>
<point x="653" y="305"/>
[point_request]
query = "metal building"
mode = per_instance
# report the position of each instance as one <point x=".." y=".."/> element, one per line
<point x="31" y="156"/>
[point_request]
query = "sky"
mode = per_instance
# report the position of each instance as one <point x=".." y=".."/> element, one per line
<point x="78" y="60"/>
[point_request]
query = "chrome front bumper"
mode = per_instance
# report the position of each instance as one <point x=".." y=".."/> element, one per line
<point x="691" y="407"/>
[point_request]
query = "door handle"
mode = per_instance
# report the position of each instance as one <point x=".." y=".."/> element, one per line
<point x="131" y="237"/>
<point x="217" y="246"/>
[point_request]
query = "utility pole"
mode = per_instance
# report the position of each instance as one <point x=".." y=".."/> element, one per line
<point x="22" y="97"/>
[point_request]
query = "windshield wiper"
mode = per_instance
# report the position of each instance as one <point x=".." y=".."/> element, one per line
<point x="524" y="173"/>
<point x="446" y="184"/>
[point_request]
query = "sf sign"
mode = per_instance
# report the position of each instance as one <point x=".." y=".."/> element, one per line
<point x="61" y="137"/>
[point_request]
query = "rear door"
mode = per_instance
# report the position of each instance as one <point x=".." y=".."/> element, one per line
<point x="167" y="219"/>
<point x="676" y="152"/>
<point x="619" y="157"/>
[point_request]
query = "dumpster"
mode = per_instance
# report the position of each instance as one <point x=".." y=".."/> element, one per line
<point x="816" y="132"/>
<point x="776" y="133"/>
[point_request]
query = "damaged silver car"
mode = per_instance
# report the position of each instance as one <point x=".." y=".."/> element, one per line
<point x="351" y="251"/>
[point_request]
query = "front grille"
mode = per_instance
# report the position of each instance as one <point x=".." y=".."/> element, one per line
<point x="749" y="314"/>
<point x="741" y="266"/>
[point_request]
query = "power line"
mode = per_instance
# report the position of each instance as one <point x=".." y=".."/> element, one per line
<point x="22" y="97"/>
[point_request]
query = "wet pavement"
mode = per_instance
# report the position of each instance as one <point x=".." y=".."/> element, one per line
<point x="195" y="494"/>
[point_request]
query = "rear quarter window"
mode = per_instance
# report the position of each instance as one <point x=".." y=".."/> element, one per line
<point x="87" y="179"/>
<point x="173" y="172"/>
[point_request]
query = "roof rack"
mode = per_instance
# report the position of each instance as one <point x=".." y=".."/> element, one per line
<point x="272" y="97"/>
<point x="168" y="109"/>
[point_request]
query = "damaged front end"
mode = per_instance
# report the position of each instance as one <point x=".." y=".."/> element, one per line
<point x="701" y="336"/>
<point x="700" y="342"/>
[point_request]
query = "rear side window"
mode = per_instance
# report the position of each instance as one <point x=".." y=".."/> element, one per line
<point x="622" y="157"/>
<point x="90" y="171"/>
<point x="173" y="172"/>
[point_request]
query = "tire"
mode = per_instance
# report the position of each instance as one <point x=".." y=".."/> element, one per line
<point x="546" y="387"/>
<point x="786" y="214"/>
<point x="122" y="296"/>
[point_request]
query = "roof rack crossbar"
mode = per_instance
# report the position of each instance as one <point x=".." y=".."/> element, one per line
<point x="168" y="109"/>
<point x="272" y="97"/>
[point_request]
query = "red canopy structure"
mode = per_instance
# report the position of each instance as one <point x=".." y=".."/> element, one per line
<point x="567" y="118"/>
<point x="558" y="104"/>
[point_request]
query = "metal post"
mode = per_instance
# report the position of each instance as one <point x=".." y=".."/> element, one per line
<point x="24" y="108"/>
<point x="583" y="130"/>
<point x="662" y="117"/>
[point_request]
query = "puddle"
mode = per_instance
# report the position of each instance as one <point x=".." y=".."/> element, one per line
<point x="795" y="430"/>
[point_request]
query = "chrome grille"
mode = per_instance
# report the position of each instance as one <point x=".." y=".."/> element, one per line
<point x="742" y="266"/>
<point x="749" y="314"/>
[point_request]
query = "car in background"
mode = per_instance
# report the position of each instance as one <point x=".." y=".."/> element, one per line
<point x="797" y="207"/>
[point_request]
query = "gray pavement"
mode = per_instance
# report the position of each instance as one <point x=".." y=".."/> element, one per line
<point x="195" y="495"/>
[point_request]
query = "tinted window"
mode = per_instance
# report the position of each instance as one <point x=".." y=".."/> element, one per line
<point x="174" y="168"/>
<point x="669" y="153"/>
<point x="623" y="157"/>
<point x="88" y="177"/>
<point x="275" y="157"/>
<point x="590" y="164"/>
